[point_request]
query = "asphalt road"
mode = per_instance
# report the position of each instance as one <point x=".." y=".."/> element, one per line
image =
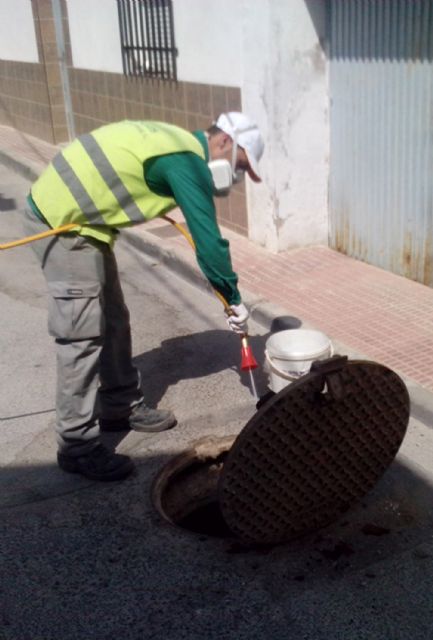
<point x="84" y="560"/>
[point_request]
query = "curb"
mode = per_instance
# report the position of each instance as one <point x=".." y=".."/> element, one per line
<point x="269" y="315"/>
<point x="26" y="170"/>
<point x="261" y="311"/>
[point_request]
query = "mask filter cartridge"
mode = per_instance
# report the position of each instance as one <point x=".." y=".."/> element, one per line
<point x="222" y="176"/>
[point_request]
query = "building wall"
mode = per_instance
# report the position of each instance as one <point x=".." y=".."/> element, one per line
<point x="24" y="100"/>
<point x="17" y="32"/>
<point x="285" y="86"/>
<point x="381" y="188"/>
<point x="206" y="35"/>
<point x="95" y="38"/>
<point x="31" y="97"/>
<point x="264" y="57"/>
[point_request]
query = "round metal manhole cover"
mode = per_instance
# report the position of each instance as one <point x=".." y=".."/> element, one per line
<point x="312" y="451"/>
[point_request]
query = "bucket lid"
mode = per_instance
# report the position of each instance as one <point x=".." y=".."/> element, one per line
<point x="312" y="450"/>
<point x="297" y="344"/>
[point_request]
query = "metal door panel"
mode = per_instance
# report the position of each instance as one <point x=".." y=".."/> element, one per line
<point x="381" y="185"/>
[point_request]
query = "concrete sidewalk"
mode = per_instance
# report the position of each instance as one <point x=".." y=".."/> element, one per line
<point x="384" y="317"/>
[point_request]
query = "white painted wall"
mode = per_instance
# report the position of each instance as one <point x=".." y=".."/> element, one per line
<point x="285" y="88"/>
<point x="208" y="38"/>
<point x="95" y="37"/>
<point x="206" y="35"/>
<point x="17" y="31"/>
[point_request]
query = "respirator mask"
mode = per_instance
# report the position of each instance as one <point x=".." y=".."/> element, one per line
<point x="246" y="136"/>
<point x="225" y="174"/>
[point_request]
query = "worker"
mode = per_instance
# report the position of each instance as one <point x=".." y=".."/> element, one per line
<point x="120" y="175"/>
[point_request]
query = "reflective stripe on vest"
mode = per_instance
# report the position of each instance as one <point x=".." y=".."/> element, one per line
<point x="107" y="173"/>
<point x="112" y="180"/>
<point x="73" y="183"/>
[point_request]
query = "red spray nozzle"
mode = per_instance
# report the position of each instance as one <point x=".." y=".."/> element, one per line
<point x="248" y="361"/>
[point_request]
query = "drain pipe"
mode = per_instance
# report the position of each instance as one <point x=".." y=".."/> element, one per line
<point x="61" y="52"/>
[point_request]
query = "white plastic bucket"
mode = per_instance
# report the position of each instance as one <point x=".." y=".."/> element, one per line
<point x="289" y="355"/>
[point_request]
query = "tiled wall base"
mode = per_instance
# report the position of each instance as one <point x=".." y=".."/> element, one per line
<point x="99" y="98"/>
<point x="24" y="101"/>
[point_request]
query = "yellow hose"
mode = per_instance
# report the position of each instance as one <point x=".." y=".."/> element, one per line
<point x="40" y="236"/>
<point x="70" y="227"/>
<point x="191" y="242"/>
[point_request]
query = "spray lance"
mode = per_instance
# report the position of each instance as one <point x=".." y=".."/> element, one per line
<point x="248" y="361"/>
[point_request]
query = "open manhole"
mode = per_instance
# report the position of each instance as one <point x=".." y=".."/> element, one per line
<point x="308" y="454"/>
<point x="186" y="490"/>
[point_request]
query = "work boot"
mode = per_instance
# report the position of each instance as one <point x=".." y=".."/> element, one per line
<point x="98" y="464"/>
<point x="143" y="419"/>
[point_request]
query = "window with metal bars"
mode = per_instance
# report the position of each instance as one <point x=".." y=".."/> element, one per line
<point x="147" y="38"/>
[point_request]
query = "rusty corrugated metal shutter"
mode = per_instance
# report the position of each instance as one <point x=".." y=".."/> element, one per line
<point x="381" y="183"/>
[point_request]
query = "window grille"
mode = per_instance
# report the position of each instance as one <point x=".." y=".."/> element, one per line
<point x="147" y="38"/>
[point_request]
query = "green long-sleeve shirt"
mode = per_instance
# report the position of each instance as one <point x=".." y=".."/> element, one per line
<point x="186" y="178"/>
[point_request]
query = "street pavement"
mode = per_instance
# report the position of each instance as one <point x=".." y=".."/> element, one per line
<point x="84" y="560"/>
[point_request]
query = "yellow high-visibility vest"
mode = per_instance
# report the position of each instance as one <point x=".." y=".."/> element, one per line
<point x="98" y="182"/>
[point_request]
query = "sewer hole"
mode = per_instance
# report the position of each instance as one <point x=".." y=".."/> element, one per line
<point x="207" y="520"/>
<point x="185" y="491"/>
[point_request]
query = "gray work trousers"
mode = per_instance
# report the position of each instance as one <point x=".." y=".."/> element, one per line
<point x="89" y="320"/>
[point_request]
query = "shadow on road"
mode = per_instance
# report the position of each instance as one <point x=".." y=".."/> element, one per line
<point x="203" y="354"/>
<point x="98" y="561"/>
<point x="7" y="204"/>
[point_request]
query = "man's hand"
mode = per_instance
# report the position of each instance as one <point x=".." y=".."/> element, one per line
<point x="237" y="320"/>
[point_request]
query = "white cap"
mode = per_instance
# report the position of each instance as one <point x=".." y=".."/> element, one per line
<point x="246" y="134"/>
